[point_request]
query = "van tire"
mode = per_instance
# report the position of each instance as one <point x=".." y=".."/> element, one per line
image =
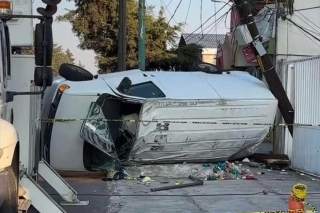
<point x="74" y="73"/>
<point x="10" y="204"/>
<point x="198" y="66"/>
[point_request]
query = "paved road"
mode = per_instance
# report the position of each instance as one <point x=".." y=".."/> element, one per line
<point x="213" y="196"/>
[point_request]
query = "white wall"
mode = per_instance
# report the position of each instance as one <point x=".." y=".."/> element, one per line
<point x="291" y="40"/>
<point x="301" y="80"/>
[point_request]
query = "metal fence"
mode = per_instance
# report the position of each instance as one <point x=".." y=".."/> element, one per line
<point x="301" y="79"/>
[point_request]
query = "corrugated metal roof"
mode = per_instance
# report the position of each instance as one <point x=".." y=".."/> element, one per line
<point x="204" y="40"/>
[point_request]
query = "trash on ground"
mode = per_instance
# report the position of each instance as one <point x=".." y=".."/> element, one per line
<point x="265" y="191"/>
<point x="195" y="182"/>
<point x="253" y="164"/>
<point x="179" y="182"/>
<point x="260" y="173"/>
<point x="246" y="160"/>
<point x="146" y="179"/>
<point x="283" y="173"/>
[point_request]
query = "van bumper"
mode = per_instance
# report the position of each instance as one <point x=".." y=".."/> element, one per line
<point x="3" y="182"/>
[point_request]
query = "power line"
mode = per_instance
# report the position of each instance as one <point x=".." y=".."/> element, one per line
<point x="185" y="21"/>
<point x="201" y="17"/>
<point x="219" y="20"/>
<point x="307" y="22"/>
<point x="308" y="8"/>
<point x="166" y="9"/>
<point x="168" y="4"/>
<point x="174" y="13"/>
<point x="207" y="20"/>
<point x="301" y="28"/>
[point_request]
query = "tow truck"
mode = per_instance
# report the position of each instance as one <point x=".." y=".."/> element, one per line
<point x="23" y="79"/>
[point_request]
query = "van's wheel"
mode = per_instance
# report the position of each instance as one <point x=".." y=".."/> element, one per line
<point x="74" y="73"/>
<point x="10" y="204"/>
<point x="207" y="68"/>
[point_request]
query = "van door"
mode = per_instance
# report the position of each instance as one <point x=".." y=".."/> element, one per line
<point x="95" y="130"/>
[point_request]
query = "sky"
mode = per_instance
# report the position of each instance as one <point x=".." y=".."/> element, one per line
<point x="63" y="35"/>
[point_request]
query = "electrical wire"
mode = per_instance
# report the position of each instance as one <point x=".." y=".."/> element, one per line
<point x="219" y="21"/>
<point x="168" y="4"/>
<point x="185" y="21"/>
<point x="166" y="9"/>
<point x="174" y="13"/>
<point x="206" y="21"/>
<point x="308" y="8"/>
<point x="215" y="19"/>
<point x="201" y="17"/>
<point x="301" y="28"/>
<point x="317" y="32"/>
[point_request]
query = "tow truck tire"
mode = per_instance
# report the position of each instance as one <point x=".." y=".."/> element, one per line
<point x="74" y="73"/>
<point x="10" y="204"/>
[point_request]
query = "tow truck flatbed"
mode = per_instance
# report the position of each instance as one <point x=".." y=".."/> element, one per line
<point x="218" y="196"/>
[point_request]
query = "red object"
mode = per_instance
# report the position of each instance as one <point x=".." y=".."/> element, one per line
<point x="219" y="57"/>
<point x="294" y="205"/>
<point x="249" y="53"/>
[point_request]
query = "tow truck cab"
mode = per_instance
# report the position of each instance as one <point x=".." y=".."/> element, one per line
<point x="9" y="143"/>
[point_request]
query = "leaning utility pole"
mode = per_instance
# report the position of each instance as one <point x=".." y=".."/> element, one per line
<point x="142" y="36"/>
<point x="122" y="36"/>
<point x="266" y="65"/>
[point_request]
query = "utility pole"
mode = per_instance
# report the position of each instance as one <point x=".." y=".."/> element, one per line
<point x="122" y="36"/>
<point x="266" y="65"/>
<point x="142" y="36"/>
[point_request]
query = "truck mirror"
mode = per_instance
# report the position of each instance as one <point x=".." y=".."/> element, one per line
<point x="43" y="76"/>
<point x="40" y="41"/>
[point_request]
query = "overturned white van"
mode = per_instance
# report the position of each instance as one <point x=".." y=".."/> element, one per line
<point x="136" y="117"/>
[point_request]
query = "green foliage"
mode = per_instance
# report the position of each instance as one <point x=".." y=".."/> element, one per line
<point x="95" y="23"/>
<point x="59" y="57"/>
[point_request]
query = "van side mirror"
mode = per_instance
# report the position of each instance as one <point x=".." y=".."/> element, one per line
<point x="43" y="76"/>
<point x="124" y="85"/>
<point x="43" y="38"/>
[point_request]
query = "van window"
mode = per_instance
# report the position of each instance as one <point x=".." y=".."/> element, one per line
<point x="145" y="90"/>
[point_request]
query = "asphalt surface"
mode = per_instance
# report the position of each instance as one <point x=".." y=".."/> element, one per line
<point x="214" y="196"/>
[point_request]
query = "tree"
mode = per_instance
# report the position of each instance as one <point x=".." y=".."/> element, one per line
<point x="59" y="57"/>
<point x="95" y="23"/>
<point x="80" y="64"/>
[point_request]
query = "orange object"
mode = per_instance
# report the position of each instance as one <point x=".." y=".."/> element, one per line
<point x="297" y="198"/>
<point x="294" y="205"/>
<point x="5" y="4"/>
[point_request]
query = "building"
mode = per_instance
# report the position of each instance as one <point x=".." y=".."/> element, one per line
<point x="290" y="33"/>
<point x="208" y="42"/>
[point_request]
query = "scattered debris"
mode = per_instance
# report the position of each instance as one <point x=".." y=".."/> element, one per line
<point x="196" y="182"/>
<point x="283" y="173"/>
<point x="253" y="164"/>
<point x="146" y="179"/>
<point x="246" y="160"/>
<point x="265" y="191"/>
<point x="179" y="182"/>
